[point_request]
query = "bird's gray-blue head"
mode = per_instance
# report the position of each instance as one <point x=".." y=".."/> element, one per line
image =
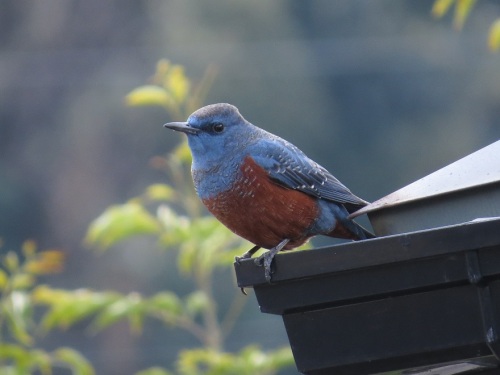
<point x="214" y="133"/>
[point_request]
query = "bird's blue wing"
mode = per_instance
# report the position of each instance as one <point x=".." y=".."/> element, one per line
<point x="291" y="168"/>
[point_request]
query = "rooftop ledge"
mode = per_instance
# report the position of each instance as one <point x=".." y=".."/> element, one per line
<point x="423" y="298"/>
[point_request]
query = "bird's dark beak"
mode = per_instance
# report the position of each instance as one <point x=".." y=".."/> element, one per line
<point x="182" y="127"/>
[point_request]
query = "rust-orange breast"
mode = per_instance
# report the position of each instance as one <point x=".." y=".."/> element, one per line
<point x="262" y="211"/>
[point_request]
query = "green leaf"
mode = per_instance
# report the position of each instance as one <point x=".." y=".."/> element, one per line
<point x="22" y="281"/>
<point x="196" y="302"/>
<point x="254" y="360"/>
<point x="154" y="371"/>
<point x="119" y="222"/>
<point x="204" y="238"/>
<point x="3" y="279"/>
<point x="177" y="83"/>
<point x="281" y="358"/>
<point x="162" y="68"/>
<point x="77" y="362"/>
<point x="177" y="228"/>
<point x="441" y="7"/>
<point x="494" y="37"/>
<point x="462" y="10"/>
<point x="249" y="361"/>
<point x="17" y="355"/>
<point x="17" y="311"/>
<point x="183" y="153"/>
<point x="160" y="192"/>
<point x="29" y="361"/>
<point x="11" y="261"/>
<point x="41" y="360"/>
<point x="167" y="305"/>
<point x="28" y="248"/>
<point x="130" y="306"/>
<point x="69" y="307"/>
<point x="149" y="95"/>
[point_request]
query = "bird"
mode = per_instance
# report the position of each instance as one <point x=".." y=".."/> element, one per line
<point x="262" y="187"/>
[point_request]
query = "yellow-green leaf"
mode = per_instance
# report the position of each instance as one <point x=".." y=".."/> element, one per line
<point x="119" y="222"/>
<point x="41" y="360"/>
<point x="494" y="38"/>
<point x="28" y="248"/>
<point x="196" y="302"/>
<point x="183" y="153"/>
<point x="69" y="306"/>
<point x="160" y="192"/>
<point x="3" y="279"/>
<point x="165" y="303"/>
<point x="130" y="307"/>
<point x="149" y="95"/>
<point x="14" y="353"/>
<point x="162" y="67"/>
<point x="22" y="281"/>
<point x="16" y="309"/>
<point x="154" y="371"/>
<point x="462" y="10"/>
<point x="177" y="83"/>
<point x="440" y="7"/>
<point x="177" y="228"/>
<point x="11" y="261"/>
<point x="77" y="362"/>
<point x="250" y="360"/>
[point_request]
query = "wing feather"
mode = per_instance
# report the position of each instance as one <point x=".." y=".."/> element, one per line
<point x="291" y="168"/>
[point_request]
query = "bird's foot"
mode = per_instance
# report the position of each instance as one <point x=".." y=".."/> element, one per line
<point x="266" y="259"/>
<point x="247" y="255"/>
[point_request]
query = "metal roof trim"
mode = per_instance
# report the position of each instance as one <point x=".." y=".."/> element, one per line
<point x="477" y="169"/>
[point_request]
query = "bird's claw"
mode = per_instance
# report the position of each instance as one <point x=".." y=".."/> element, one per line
<point x="266" y="260"/>
<point x="237" y="259"/>
<point x="247" y="255"/>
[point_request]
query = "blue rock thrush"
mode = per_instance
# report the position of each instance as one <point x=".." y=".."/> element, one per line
<point x="262" y="187"/>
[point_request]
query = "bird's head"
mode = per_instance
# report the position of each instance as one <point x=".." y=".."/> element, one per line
<point x="214" y="132"/>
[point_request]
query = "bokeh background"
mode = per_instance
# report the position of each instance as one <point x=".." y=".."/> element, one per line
<point x="378" y="92"/>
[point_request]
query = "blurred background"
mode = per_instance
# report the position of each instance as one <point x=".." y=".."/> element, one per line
<point x="378" y="92"/>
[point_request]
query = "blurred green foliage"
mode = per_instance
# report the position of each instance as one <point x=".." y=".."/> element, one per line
<point x="174" y="215"/>
<point x="460" y="14"/>
<point x="19" y="297"/>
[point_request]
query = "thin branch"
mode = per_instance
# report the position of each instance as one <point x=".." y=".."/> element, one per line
<point x="184" y="322"/>
<point x="209" y="315"/>
<point x="233" y="313"/>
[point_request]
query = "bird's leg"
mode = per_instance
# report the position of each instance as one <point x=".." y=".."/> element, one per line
<point x="247" y="255"/>
<point x="266" y="259"/>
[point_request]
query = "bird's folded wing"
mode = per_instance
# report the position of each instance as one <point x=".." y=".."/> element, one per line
<point x="291" y="168"/>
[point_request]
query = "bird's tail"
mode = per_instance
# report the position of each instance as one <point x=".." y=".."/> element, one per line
<point x="351" y="230"/>
<point x="362" y="233"/>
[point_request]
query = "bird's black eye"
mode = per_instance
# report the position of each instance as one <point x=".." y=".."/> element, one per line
<point x="218" y="127"/>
